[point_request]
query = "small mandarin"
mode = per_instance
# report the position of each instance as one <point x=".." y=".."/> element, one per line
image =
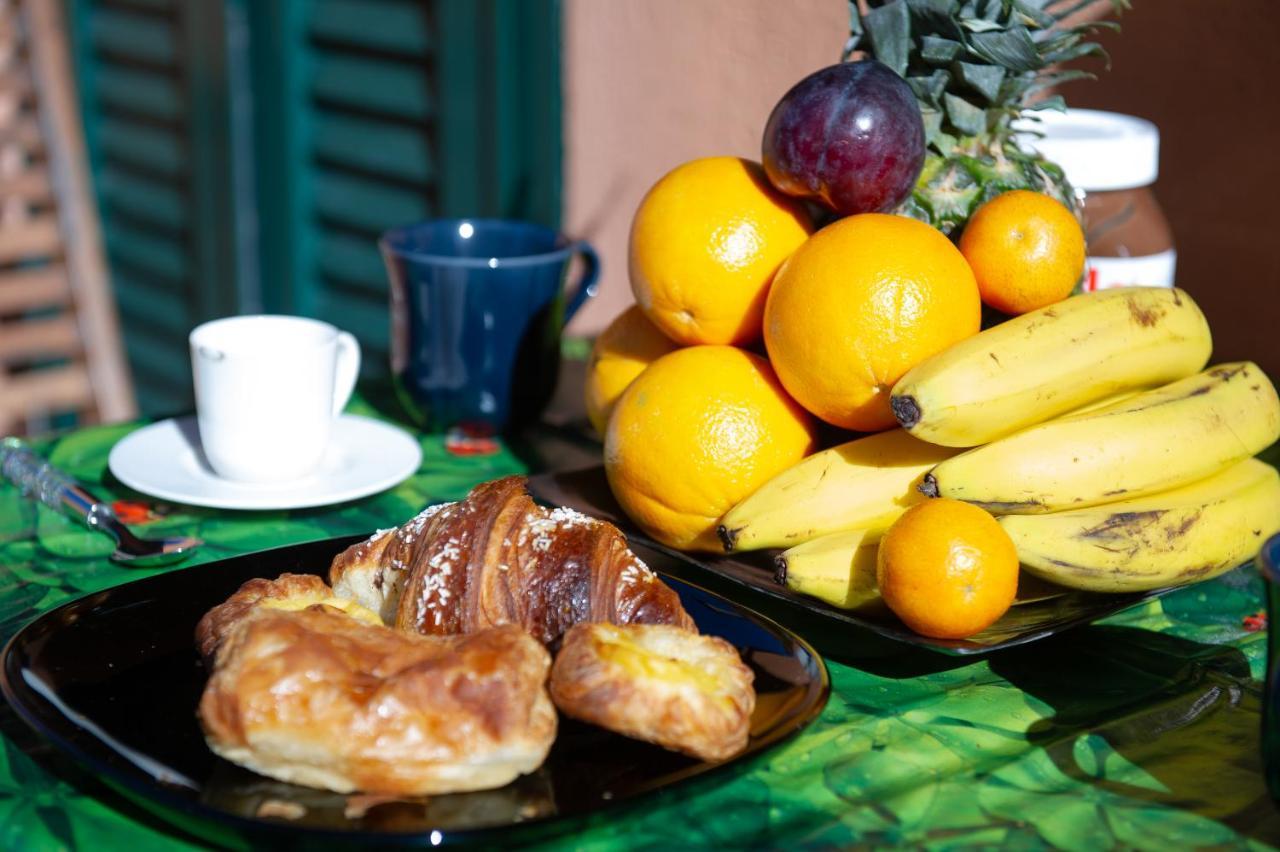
<point x="1026" y="250"/>
<point x="947" y="569"/>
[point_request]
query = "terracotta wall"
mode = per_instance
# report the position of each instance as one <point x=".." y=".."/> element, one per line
<point x="1204" y="73"/>
<point x="651" y="84"/>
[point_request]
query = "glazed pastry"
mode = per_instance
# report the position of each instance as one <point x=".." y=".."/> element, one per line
<point x="657" y="683"/>
<point x="499" y="558"/>
<point x="316" y="697"/>
<point x="286" y="592"/>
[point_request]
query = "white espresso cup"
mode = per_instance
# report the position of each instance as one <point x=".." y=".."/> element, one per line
<point x="268" y="389"/>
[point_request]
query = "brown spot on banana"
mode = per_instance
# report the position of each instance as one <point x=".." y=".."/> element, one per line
<point x="1077" y="570"/>
<point x="728" y="537"/>
<point x="1174" y="533"/>
<point x="1123" y="524"/>
<point x="1009" y="507"/>
<point x="1228" y="373"/>
<point x="1143" y="316"/>
<point x="780" y="570"/>
<point x="1199" y="571"/>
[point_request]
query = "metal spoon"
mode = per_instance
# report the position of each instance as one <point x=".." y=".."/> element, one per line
<point x="36" y="477"/>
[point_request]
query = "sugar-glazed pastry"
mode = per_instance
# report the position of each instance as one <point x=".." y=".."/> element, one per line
<point x="499" y="558"/>
<point x="657" y="683"/>
<point x="316" y="697"/>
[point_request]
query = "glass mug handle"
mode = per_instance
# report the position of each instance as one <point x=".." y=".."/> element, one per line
<point x="589" y="285"/>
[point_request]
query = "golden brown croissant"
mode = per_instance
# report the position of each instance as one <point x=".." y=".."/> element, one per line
<point x="313" y="696"/>
<point x="499" y="558"/>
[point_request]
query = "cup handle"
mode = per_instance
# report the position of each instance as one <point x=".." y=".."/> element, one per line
<point x="588" y="286"/>
<point x="346" y="371"/>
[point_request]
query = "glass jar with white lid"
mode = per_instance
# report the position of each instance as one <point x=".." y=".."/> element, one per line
<point x="1112" y="161"/>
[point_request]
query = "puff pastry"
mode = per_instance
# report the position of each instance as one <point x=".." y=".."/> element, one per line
<point x="316" y="697"/>
<point x="499" y="558"/>
<point x="286" y="592"/>
<point x="657" y="683"/>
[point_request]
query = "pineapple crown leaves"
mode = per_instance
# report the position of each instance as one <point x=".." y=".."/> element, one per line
<point x="974" y="64"/>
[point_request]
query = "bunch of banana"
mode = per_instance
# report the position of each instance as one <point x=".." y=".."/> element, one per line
<point x="1145" y="444"/>
<point x="862" y="484"/>
<point x="1052" y="361"/>
<point x="1113" y="463"/>
<point x="1191" y="533"/>
<point x="1151" y="490"/>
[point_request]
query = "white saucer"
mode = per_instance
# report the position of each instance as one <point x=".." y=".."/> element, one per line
<point x="165" y="460"/>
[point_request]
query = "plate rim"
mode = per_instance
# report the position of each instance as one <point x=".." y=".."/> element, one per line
<point x="267" y="502"/>
<point x="148" y="792"/>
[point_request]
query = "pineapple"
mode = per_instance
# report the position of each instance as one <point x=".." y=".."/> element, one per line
<point x="974" y="65"/>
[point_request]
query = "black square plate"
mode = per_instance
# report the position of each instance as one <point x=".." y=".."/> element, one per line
<point x="113" y="680"/>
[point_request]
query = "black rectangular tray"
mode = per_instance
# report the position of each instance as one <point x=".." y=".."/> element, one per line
<point x="1042" y="610"/>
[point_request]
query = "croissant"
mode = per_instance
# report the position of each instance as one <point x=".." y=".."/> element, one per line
<point x="499" y="558"/>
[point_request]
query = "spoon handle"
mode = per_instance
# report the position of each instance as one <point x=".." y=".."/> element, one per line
<point x="36" y="478"/>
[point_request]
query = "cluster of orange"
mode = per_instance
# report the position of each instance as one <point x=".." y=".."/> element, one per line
<point x="696" y="414"/>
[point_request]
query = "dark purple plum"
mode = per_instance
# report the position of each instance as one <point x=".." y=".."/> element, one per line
<point x="849" y="136"/>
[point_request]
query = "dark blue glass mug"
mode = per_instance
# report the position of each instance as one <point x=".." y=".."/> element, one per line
<point x="477" y="310"/>
<point x="1269" y="565"/>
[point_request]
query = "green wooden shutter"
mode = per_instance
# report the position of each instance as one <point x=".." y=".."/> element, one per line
<point x="249" y="153"/>
<point x="145" y="96"/>
<point x="384" y="112"/>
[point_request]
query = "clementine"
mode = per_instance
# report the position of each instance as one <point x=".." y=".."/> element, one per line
<point x="705" y="244"/>
<point x="1026" y="250"/>
<point x="861" y="302"/>
<point x="696" y="432"/>
<point x="947" y="569"/>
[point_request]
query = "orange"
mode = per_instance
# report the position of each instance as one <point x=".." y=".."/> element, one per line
<point x="947" y="569"/>
<point x="863" y="301"/>
<point x="620" y="353"/>
<point x="705" y="243"/>
<point x="696" y="432"/>
<point x="1026" y="250"/>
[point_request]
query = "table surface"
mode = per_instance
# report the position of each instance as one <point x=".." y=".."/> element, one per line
<point x="1137" y="732"/>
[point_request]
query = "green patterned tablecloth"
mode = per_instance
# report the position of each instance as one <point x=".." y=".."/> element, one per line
<point x="1140" y="732"/>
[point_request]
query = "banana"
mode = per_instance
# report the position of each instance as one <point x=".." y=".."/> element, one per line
<point x="1188" y="534"/>
<point x="862" y="483"/>
<point x="839" y="568"/>
<point x="1050" y="361"/>
<point x="1150" y="442"/>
